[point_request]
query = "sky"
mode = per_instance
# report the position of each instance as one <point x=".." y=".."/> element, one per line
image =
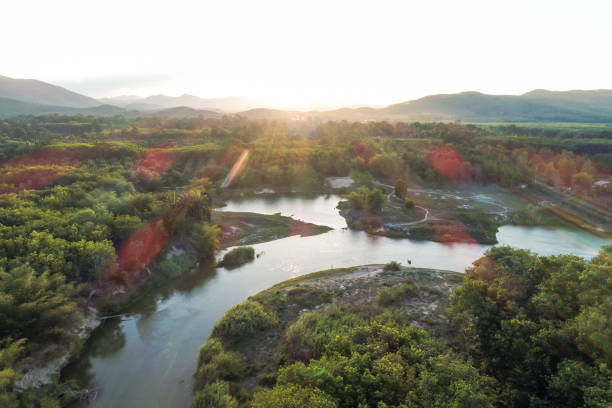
<point x="294" y="53"/>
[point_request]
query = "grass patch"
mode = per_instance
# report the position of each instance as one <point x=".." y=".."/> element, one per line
<point x="389" y="295"/>
<point x="308" y="296"/>
<point x="258" y="228"/>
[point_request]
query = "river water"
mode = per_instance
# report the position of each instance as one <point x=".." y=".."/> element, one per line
<point x="147" y="357"/>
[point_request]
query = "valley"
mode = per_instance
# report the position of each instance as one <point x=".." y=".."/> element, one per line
<point x="143" y="210"/>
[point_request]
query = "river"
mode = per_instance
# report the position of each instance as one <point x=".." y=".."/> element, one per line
<point x="147" y="357"/>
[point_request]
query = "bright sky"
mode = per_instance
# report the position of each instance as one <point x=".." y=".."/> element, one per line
<point x="301" y="52"/>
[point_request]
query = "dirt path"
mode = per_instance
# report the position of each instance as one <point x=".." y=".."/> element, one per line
<point x="476" y="197"/>
<point x="390" y="198"/>
<point x="407" y="224"/>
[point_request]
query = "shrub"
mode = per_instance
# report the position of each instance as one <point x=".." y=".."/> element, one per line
<point x="215" y="395"/>
<point x="299" y="343"/>
<point x="392" y="266"/>
<point x="387" y="296"/>
<point x="306" y="338"/>
<point x="208" y="350"/>
<point x="217" y="364"/>
<point x="367" y="199"/>
<point x="175" y="266"/>
<point x="237" y="257"/>
<point x="380" y="365"/>
<point x="292" y="396"/>
<point x="244" y="319"/>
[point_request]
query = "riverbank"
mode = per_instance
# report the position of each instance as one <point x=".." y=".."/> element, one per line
<point x="421" y="223"/>
<point x="41" y="370"/>
<point x="472" y="214"/>
<point x="422" y="295"/>
<point x="176" y="260"/>
<point x="247" y="228"/>
<point x="179" y="257"/>
<point x="147" y="357"/>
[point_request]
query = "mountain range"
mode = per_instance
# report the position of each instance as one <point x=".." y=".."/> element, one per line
<point x="230" y="104"/>
<point x="38" y="92"/>
<point x="33" y="97"/>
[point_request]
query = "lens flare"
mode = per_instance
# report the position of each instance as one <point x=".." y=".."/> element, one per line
<point x="236" y="170"/>
<point x="137" y="251"/>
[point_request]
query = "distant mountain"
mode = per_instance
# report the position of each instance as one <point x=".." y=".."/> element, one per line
<point x="12" y="107"/>
<point x="593" y="97"/>
<point x="185" y="112"/>
<point x="279" y="114"/>
<point x="143" y="107"/>
<point x="535" y="106"/>
<point x="28" y="96"/>
<point x="38" y="92"/>
<point x="120" y="99"/>
<point x="598" y="101"/>
<point x="229" y="104"/>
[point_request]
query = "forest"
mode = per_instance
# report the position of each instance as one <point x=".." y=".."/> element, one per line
<point x="91" y="207"/>
<point x="519" y="331"/>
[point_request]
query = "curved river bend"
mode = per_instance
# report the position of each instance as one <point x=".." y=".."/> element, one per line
<point x="147" y="357"/>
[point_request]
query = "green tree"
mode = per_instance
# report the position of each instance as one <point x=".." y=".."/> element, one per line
<point x="10" y="351"/>
<point x="582" y="181"/>
<point x="401" y="188"/>
<point x="375" y="200"/>
<point x="215" y="395"/>
<point x="539" y="325"/>
<point x="246" y="318"/>
<point x="205" y="239"/>
<point x="37" y="307"/>
<point x="292" y="396"/>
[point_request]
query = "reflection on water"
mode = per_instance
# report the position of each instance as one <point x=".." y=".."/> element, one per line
<point x="545" y="241"/>
<point x="319" y="210"/>
<point x="147" y="358"/>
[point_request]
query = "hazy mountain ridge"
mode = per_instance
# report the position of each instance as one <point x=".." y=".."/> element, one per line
<point x="231" y="104"/>
<point x="32" y="97"/>
<point x="43" y="93"/>
<point x="186" y="112"/>
<point x="12" y="107"/>
<point x="580" y="106"/>
<point x="534" y="106"/>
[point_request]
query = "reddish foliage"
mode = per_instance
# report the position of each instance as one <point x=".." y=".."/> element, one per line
<point x="452" y="232"/>
<point x="51" y="157"/>
<point x="297" y="227"/>
<point x="13" y="180"/>
<point x="38" y="169"/>
<point x="365" y="150"/>
<point x="156" y="160"/>
<point x="446" y="161"/>
<point x="136" y="252"/>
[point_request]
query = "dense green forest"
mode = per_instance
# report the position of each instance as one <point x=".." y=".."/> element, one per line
<point x="91" y="206"/>
<point x="520" y="331"/>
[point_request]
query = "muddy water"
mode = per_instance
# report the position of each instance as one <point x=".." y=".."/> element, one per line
<point x="147" y="357"/>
